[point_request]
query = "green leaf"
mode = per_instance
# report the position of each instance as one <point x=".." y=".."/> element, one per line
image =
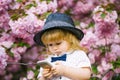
<point x="48" y="1"/>
<point x="103" y="15"/>
<point x="109" y="10"/>
<point x="116" y="64"/>
<point x="37" y="66"/>
<point x="116" y="77"/>
<point x="94" y="69"/>
<point x="8" y="51"/>
<point x="43" y="16"/>
<point x="19" y="0"/>
<point x="91" y="25"/>
<point x="15" y="16"/>
<point x="36" y="72"/>
<point x="77" y="22"/>
<point x="21" y="44"/>
<point x="11" y="54"/>
<point x="30" y="5"/>
<point x="94" y="78"/>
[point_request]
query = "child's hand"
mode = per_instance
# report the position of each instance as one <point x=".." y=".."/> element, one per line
<point x="47" y="73"/>
<point x="58" y="68"/>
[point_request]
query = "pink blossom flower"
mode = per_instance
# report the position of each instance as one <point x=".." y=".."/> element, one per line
<point x="83" y="25"/>
<point x="117" y="70"/>
<point x="25" y="27"/>
<point x="100" y="69"/>
<point x="6" y="44"/>
<point x="52" y="6"/>
<point x="109" y="16"/>
<point x="117" y="38"/>
<point x="115" y="48"/>
<point x="110" y="56"/>
<point x="23" y="78"/>
<point x="30" y="74"/>
<point x="32" y="54"/>
<point x="103" y="42"/>
<point x="83" y="8"/>
<point x="17" y="55"/>
<point x="8" y="77"/>
<point x="105" y="33"/>
<point x="94" y="56"/>
<point x="105" y="65"/>
<point x="13" y="67"/>
<point x="22" y="49"/>
<point x="41" y="8"/>
<point x="106" y="29"/>
<point x="108" y="76"/>
<point x="68" y="3"/>
<point x="19" y="50"/>
<point x="88" y="40"/>
<point x="3" y="2"/>
<point x="2" y="72"/>
<point x="15" y="5"/>
<point x="6" y="37"/>
<point x="3" y="58"/>
<point x="4" y="19"/>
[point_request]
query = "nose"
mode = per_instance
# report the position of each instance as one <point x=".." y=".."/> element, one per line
<point x="54" y="47"/>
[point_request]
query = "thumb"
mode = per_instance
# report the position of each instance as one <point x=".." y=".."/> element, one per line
<point x="57" y="62"/>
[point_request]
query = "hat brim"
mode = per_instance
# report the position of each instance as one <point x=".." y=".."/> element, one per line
<point x="77" y="32"/>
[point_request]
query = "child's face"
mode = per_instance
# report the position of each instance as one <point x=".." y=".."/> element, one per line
<point x="58" y="47"/>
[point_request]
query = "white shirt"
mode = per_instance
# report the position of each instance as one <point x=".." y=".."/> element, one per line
<point x="75" y="59"/>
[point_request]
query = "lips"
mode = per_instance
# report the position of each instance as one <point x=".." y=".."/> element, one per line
<point x="57" y="53"/>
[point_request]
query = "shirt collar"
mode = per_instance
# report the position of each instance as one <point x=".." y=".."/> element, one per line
<point x="68" y="53"/>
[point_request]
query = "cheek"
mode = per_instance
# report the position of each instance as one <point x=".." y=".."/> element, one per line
<point x="65" y="47"/>
<point x="50" y="49"/>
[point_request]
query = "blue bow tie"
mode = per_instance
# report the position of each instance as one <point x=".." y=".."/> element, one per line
<point x="62" y="58"/>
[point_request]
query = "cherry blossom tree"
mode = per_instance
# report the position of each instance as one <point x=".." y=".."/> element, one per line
<point x="21" y="19"/>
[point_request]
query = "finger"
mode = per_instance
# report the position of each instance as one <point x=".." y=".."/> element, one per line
<point x="53" y="68"/>
<point x="50" y="76"/>
<point x="47" y="75"/>
<point x="45" y="72"/>
<point x="54" y="73"/>
<point x="57" y="62"/>
<point x="47" y="69"/>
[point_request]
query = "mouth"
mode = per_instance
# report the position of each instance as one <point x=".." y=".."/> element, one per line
<point x="57" y="53"/>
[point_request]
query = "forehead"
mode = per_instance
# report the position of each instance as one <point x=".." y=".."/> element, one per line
<point x="53" y="42"/>
<point x="54" y="35"/>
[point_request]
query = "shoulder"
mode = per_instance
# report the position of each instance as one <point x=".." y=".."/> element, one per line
<point x="80" y="55"/>
<point x="79" y="58"/>
<point x="79" y="52"/>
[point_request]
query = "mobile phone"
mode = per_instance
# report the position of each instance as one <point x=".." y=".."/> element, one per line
<point x="44" y="64"/>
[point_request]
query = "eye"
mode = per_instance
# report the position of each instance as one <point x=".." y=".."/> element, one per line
<point x="50" y="44"/>
<point x="58" y="43"/>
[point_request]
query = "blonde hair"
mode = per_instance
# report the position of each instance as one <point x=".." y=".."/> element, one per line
<point x="60" y="34"/>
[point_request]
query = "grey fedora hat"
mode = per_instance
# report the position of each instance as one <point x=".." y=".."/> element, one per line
<point x="58" y="21"/>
